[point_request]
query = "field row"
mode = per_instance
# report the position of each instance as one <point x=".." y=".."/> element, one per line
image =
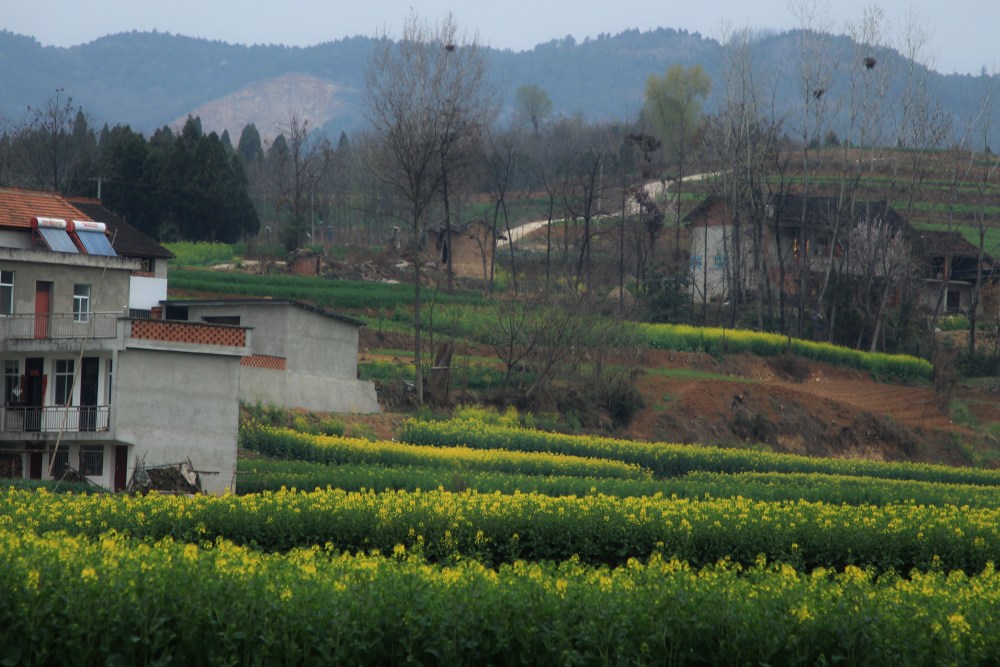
<point x="494" y="528"/>
<point x="671" y="460"/>
<point x="289" y="444"/>
<point x="262" y="474"/>
<point x="219" y="603"/>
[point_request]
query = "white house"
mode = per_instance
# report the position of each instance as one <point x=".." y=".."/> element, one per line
<point x="90" y="381"/>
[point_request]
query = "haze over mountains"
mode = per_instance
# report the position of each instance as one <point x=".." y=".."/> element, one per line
<point x="150" y="79"/>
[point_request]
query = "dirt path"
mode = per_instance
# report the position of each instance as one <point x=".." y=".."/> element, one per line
<point x="656" y="189"/>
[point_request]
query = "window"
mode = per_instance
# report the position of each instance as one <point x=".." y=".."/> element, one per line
<point x="6" y="292"/>
<point x="720" y="261"/>
<point x="695" y="262"/>
<point x="954" y="300"/>
<point x="11" y="382"/>
<point x="61" y="464"/>
<point x="92" y="460"/>
<point x="64" y="382"/>
<point x="937" y="268"/>
<point x="233" y="320"/>
<point x="81" y="303"/>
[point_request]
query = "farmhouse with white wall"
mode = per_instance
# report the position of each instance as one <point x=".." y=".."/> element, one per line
<point x="102" y="373"/>
<point x="89" y="380"/>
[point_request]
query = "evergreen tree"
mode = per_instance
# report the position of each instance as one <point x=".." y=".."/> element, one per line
<point x="249" y="147"/>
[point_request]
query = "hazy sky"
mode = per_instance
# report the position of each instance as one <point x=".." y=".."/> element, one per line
<point x="961" y="34"/>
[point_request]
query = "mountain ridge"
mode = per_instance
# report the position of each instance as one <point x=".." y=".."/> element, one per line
<point x="150" y="79"/>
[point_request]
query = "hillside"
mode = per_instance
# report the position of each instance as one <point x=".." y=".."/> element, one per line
<point x="787" y="405"/>
<point x="148" y="80"/>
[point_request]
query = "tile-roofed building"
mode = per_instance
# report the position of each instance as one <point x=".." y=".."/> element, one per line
<point x="95" y="379"/>
<point x="126" y="239"/>
<point x="90" y="381"/>
<point x="18" y="207"/>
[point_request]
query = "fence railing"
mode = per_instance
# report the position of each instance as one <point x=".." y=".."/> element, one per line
<point x="62" y="325"/>
<point x="19" y="419"/>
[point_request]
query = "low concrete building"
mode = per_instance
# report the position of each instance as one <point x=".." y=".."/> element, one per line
<point x="302" y="356"/>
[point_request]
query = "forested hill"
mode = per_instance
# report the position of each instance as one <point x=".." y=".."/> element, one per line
<point x="148" y="80"/>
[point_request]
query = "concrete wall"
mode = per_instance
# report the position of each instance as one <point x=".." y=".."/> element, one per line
<point x="311" y="343"/>
<point x="109" y="290"/>
<point x="147" y="293"/>
<point x="310" y="392"/>
<point x="931" y="290"/>
<point x="709" y="278"/>
<point x="172" y="406"/>
<point x="10" y="238"/>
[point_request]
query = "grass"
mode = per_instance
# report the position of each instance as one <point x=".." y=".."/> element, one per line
<point x="693" y="374"/>
<point x="969" y="232"/>
<point x="192" y="254"/>
<point x="961" y="414"/>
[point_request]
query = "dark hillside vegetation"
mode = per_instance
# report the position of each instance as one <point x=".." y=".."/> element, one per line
<point x="149" y="79"/>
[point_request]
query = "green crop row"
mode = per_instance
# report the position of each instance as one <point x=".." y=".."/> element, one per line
<point x="340" y="294"/>
<point x="670" y="460"/>
<point x="264" y="474"/>
<point x="463" y="373"/>
<point x="116" y="602"/>
<point x="289" y="444"/>
<point x="496" y="528"/>
<point x="717" y="341"/>
<point x="190" y="253"/>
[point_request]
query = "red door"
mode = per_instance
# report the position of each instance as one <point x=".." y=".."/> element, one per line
<point x="43" y="305"/>
<point x="121" y="467"/>
<point x="34" y="465"/>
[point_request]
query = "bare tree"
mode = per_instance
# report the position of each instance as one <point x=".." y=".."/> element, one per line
<point x="980" y="168"/>
<point x="423" y="94"/>
<point x="744" y="140"/>
<point x="294" y="169"/>
<point x="501" y="164"/>
<point x="817" y="70"/>
<point x="54" y="146"/>
<point x="881" y="256"/>
<point x="587" y="179"/>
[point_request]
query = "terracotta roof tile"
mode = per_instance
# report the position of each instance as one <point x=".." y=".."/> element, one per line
<point x="18" y="207"/>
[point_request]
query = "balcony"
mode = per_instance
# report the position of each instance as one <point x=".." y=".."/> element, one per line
<point x="62" y="326"/>
<point x="53" y="419"/>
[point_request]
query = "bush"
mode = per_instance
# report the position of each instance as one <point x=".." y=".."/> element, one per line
<point x="978" y="364"/>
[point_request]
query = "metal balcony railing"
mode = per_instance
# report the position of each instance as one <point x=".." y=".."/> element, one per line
<point x="62" y="325"/>
<point x="51" y="419"/>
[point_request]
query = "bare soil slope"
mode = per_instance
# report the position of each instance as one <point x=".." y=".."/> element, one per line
<point x="787" y="404"/>
<point x="815" y="409"/>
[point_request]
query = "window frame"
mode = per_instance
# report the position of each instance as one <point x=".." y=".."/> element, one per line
<point x="81" y="303"/>
<point x="92" y="460"/>
<point x="63" y="388"/>
<point x="6" y="292"/>
<point x="11" y="381"/>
